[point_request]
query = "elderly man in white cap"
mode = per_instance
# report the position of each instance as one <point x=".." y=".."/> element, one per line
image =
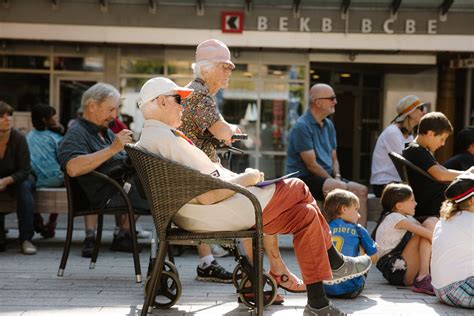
<point x="394" y="137"/>
<point x="201" y="117"/>
<point x="288" y="206"/>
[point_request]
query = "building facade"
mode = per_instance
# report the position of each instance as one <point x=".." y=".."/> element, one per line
<point x="371" y="52"/>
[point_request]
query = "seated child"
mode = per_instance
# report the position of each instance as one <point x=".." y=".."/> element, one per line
<point x="465" y="145"/>
<point x="433" y="130"/>
<point x="341" y="207"/>
<point x="404" y="243"/>
<point x="453" y="239"/>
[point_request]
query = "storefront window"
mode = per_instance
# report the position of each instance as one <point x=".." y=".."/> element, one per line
<point x="179" y="67"/>
<point x="79" y="63"/>
<point x="135" y="65"/>
<point x="23" y="91"/>
<point x="24" y="62"/>
<point x="283" y="72"/>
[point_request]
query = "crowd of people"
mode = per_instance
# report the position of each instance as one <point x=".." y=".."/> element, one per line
<point x="425" y="226"/>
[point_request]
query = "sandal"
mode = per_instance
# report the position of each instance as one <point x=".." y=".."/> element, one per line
<point x="279" y="300"/>
<point x="290" y="283"/>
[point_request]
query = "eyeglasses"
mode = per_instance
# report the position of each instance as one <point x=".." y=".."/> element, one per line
<point x="176" y="97"/>
<point x="332" y="98"/>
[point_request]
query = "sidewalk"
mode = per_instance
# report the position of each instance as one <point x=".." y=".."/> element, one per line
<point x="29" y="285"/>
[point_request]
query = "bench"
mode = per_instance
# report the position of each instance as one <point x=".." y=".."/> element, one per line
<point x="47" y="200"/>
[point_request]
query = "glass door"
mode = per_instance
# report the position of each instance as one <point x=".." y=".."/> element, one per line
<point x="68" y="96"/>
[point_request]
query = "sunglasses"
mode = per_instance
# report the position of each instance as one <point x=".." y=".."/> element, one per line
<point x="332" y="98"/>
<point x="176" y="97"/>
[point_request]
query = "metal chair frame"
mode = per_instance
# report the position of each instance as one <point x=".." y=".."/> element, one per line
<point x="78" y="206"/>
<point x="169" y="186"/>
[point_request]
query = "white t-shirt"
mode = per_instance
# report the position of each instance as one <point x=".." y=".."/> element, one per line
<point x="452" y="257"/>
<point x="387" y="236"/>
<point x="234" y="213"/>
<point x="383" y="170"/>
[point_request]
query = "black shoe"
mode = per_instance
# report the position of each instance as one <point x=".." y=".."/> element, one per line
<point x="88" y="247"/>
<point x="214" y="273"/>
<point x="123" y="243"/>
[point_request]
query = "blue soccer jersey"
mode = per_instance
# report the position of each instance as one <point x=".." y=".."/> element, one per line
<point x="347" y="237"/>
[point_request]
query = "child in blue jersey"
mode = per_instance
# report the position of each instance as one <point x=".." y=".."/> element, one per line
<point x="348" y="237"/>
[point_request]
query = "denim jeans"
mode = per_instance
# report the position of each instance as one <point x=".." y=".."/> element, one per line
<point x="23" y="192"/>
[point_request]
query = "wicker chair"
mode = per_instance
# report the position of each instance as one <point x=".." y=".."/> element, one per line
<point x="168" y="186"/>
<point x="78" y="206"/>
<point x="403" y="165"/>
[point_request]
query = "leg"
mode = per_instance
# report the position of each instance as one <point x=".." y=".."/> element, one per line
<point x="412" y="259"/>
<point x="209" y="269"/>
<point x="425" y="257"/>
<point x="359" y="190"/>
<point x="25" y="209"/>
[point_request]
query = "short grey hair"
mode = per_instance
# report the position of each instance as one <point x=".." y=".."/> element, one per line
<point x="200" y="66"/>
<point x="99" y="93"/>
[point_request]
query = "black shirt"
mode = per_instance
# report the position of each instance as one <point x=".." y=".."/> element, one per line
<point x="462" y="162"/>
<point x="429" y="194"/>
<point x="16" y="161"/>
<point x="83" y="138"/>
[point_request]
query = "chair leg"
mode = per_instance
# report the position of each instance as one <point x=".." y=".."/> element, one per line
<point x="98" y="240"/>
<point x="67" y="245"/>
<point x="155" y="277"/>
<point x="136" y="258"/>
<point x="258" y="265"/>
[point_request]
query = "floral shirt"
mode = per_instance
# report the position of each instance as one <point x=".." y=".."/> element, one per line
<point x="200" y="113"/>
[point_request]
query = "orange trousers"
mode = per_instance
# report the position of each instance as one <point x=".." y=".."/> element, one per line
<point x="293" y="210"/>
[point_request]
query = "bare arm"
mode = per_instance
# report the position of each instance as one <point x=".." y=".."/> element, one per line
<point x="415" y="228"/>
<point x="335" y="165"/>
<point x="223" y="130"/>
<point x="4" y="182"/>
<point x="309" y="159"/>
<point x="86" y="163"/>
<point x="246" y="179"/>
<point x="443" y="174"/>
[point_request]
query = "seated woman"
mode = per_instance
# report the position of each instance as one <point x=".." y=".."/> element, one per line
<point x="452" y="245"/>
<point x="16" y="179"/>
<point x="288" y="207"/>
<point x="43" y="144"/>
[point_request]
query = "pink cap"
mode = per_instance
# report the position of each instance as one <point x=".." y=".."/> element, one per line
<point x="214" y="51"/>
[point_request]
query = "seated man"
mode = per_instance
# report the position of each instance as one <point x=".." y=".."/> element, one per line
<point x="43" y="142"/>
<point x="288" y="206"/>
<point x="433" y="130"/>
<point x="465" y="145"/>
<point x="90" y="145"/>
<point x="312" y="150"/>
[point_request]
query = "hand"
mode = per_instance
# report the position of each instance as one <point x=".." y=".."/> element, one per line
<point x="252" y="176"/>
<point x="121" y="138"/>
<point x="337" y="176"/>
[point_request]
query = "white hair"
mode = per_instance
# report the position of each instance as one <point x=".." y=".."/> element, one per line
<point x="99" y="93"/>
<point x="202" y="66"/>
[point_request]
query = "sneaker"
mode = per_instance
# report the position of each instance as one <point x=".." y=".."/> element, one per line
<point x="88" y="247"/>
<point x="49" y="230"/>
<point x="218" y="252"/>
<point x="214" y="273"/>
<point x="329" y="310"/>
<point x="123" y="243"/>
<point x="423" y="285"/>
<point x="28" y="248"/>
<point x="351" y="268"/>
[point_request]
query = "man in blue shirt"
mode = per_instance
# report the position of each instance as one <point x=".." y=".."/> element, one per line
<point x="312" y="149"/>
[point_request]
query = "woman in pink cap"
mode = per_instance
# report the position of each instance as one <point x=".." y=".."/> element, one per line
<point x="201" y="117"/>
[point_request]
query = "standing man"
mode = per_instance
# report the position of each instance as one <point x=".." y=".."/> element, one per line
<point x="312" y="150"/>
<point x="90" y="145"/>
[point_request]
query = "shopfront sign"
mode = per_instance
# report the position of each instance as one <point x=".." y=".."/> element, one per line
<point x="232" y="22"/>
<point x="366" y="25"/>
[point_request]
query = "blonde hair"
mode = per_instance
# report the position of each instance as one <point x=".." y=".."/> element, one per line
<point x="335" y="200"/>
<point x="451" y="208"/>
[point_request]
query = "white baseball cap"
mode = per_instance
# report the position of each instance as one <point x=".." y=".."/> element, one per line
<point x="157" y="86"/>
